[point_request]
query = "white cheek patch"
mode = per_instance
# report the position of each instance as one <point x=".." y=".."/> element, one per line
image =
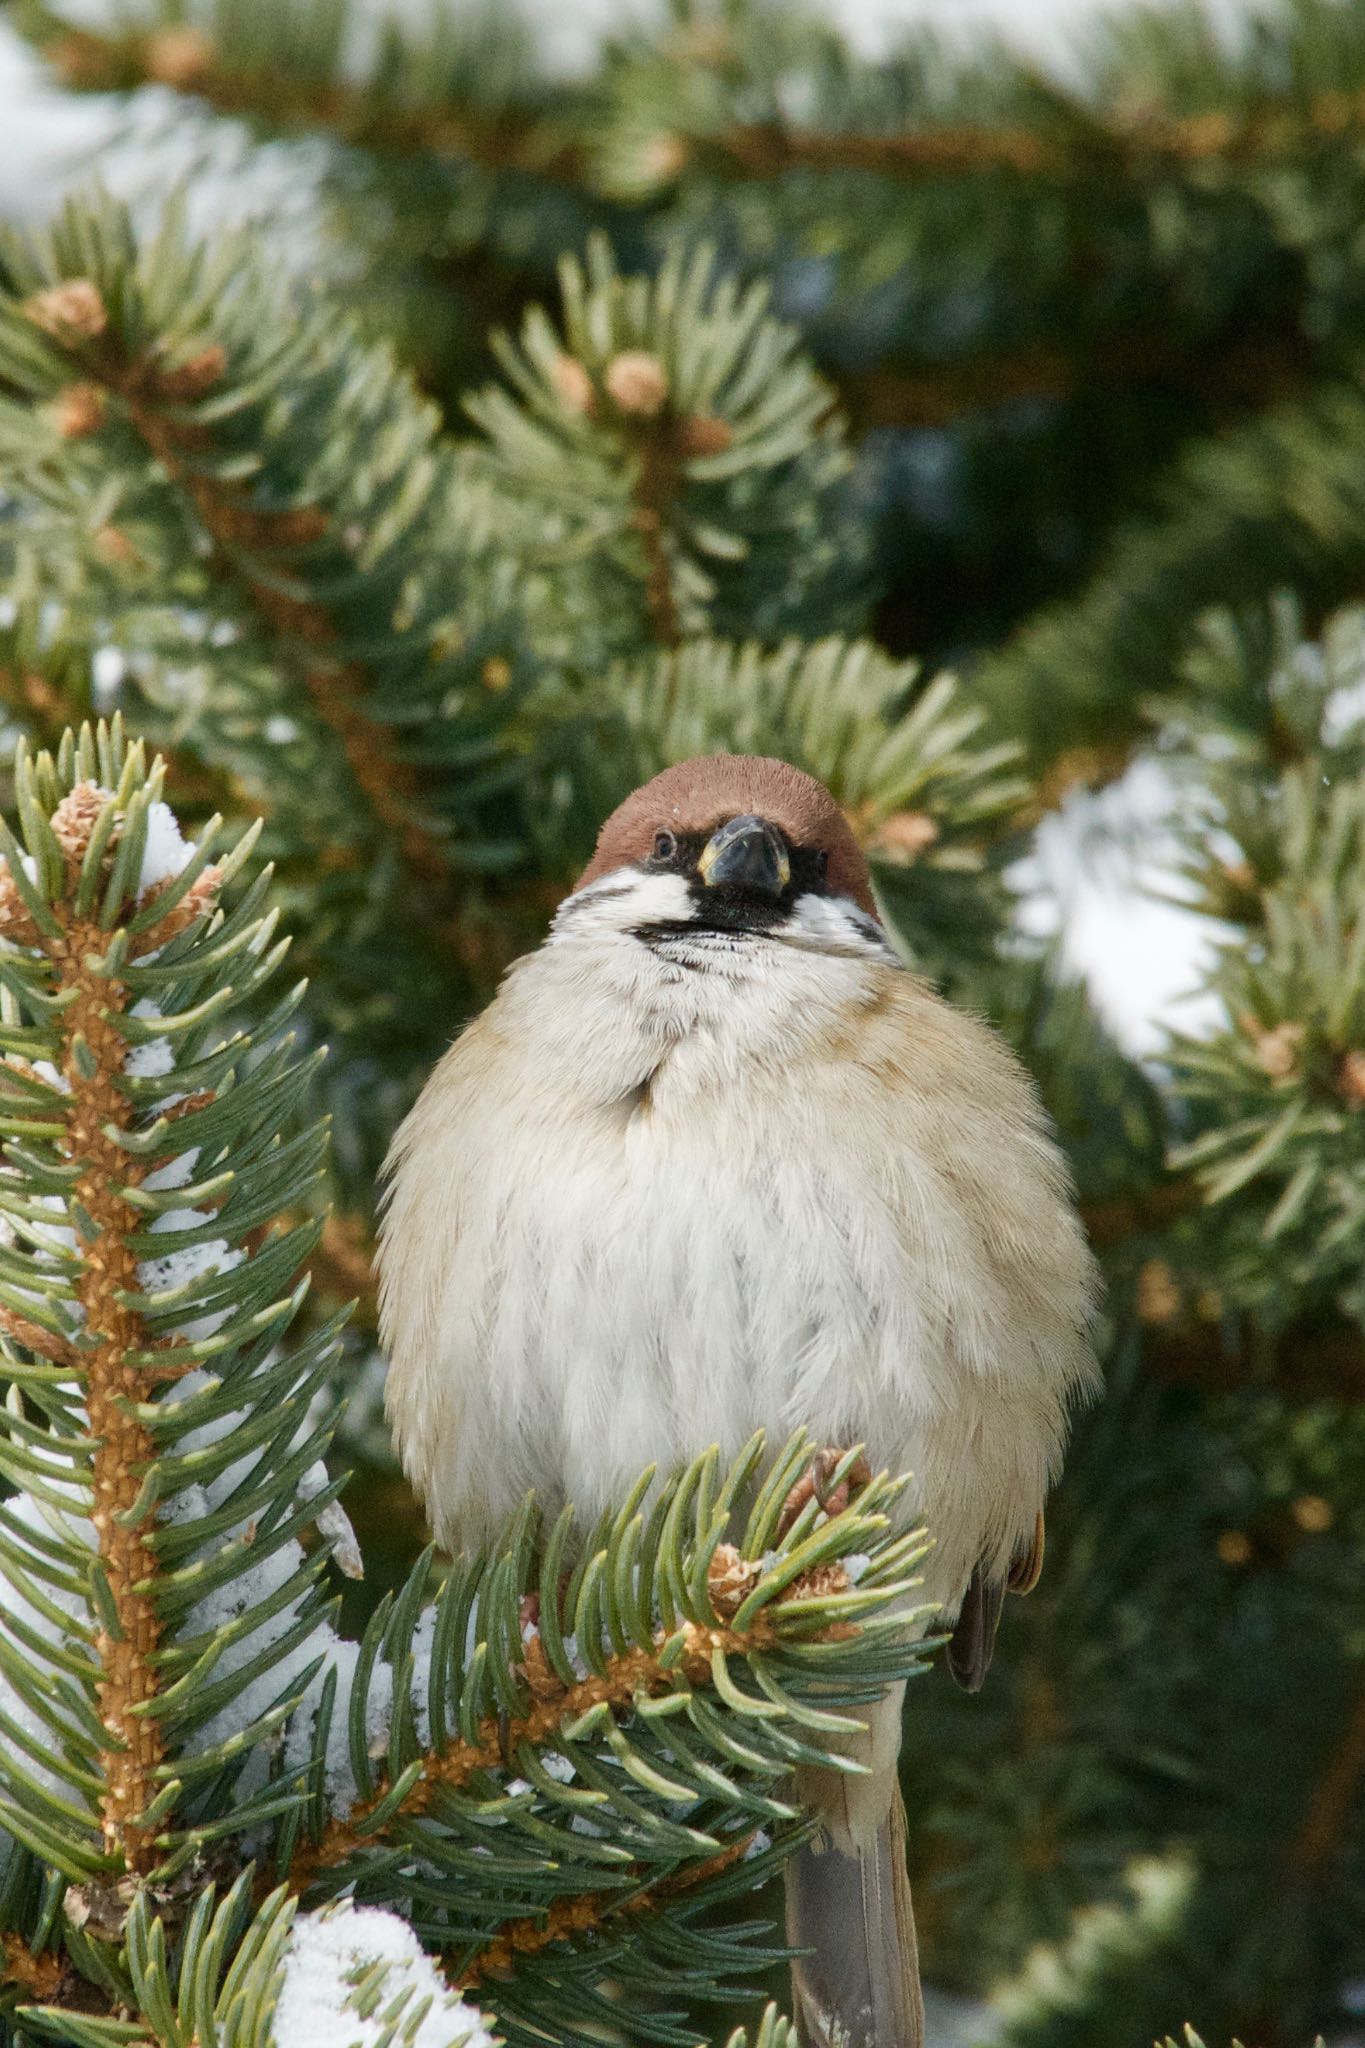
<point x="833" y="924"/>
<point x="620" y="901"/>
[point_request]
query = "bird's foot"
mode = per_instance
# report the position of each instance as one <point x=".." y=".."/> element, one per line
<point x="817" y="1484"/>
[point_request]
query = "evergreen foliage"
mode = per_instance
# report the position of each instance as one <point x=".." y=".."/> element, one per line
<point x="961" y="436"/>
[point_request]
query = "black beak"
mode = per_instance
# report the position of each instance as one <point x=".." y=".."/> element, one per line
<point x="746" y="853"/>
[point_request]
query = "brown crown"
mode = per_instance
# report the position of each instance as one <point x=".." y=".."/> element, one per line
<point x="696" y="796"/>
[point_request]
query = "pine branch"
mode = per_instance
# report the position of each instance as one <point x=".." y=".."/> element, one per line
<point x="130" y="1206"/>
<point x="415" y="107"/>
<point x="1115" y="131"/>
<point x="671" y="465"/>
<point x="245" y="430"/>
<point x="570" y="1919"/>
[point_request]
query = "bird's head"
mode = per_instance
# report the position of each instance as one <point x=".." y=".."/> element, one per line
<point x="731" y="846"/>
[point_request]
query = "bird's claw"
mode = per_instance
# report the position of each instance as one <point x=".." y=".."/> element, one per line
<point x="815" y="1484"/>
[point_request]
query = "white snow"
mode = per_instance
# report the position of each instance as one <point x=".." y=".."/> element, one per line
<point x="330" y="1952"/>
<point x="107" y="670"/>
<point x="166" y="851"/>
<point x="174" y="1174"/>
<point x="154" y="1056"/>
<point x="174" y="1270"/>
<point x="333" y="1524"/>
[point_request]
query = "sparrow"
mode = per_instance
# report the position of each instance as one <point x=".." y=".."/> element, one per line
<point x="714" y="1160"/>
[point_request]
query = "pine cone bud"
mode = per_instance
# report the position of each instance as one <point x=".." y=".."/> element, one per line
<point x="1275" y="1051"/>
<point x="497" y="673"/>
<point x="572" y="385"/>
<point x="1158" y="1296"/>
<point x="663" y="158"/>
<point x="1351" y="1078"/>
<point x="704" y="434"/>
<point x="198" y="375"/>
<point x="112" y="545"/>
<point x="637" y="382"/>
<point x="73" y="821"/>
<point x="730" y="1579"/>
<point x="908" y="834"/>
<point x="15" y="923"/>
<point x="78" y="411"/>
<point x="1312" y="1513"/>
<point x="179" y="56"/>
<point x="69" y="312"/>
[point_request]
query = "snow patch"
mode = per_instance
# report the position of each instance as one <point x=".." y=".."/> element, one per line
<point x="166" y="851"/>
<point x="154" y="1056"/>
<point x="331" y="1951"/>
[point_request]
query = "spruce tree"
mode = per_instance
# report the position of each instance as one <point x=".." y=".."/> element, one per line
<point x="962" y="438"/>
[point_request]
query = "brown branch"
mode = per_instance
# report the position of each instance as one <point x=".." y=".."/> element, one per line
<point x="334" y="689"/>
<point x="1312" y="1361"/>
<point x="1151" y="140"/>
<point x="585" y="1915"/>
<point x="123" y="1446"/>
<point x="1231" y="372"/>
<point x="184" y="58"/>
<point x="655" y="485"/>
<point x="1330" y="1810"/>
<point x="1152" y="1209"/>
<point x="96" y="1109"/>
<point x="39" y="1975"/>
<point x="343" y="1263"/>
<point x="34" y="1338"/>
<point x="637" y="1672"/>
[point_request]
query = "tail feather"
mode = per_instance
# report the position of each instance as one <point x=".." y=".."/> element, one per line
<point x="848" y="1905"/>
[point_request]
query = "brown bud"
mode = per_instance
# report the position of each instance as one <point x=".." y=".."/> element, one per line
<point x="79" y="60"/>
<point x="1333" y="111"/>
<point x="1238" y="876"/>
<point x="637" y="382"/>
<point x="299" y="528"/>
<point x="15" y="923"/>
<point x="199" y="900"/>
<point x="1234" y="1547"/>
<point x="907" y="835"/>
<point x="79" y="410"/>
<point x="730" y="1578"/>
<point x="497" y="673"/>
<point x="198" y="375"/>
<point x="1275" y="1050"/>
<point x="663" y="158"/>
<point x="1158" y="1295"/>
<point x="1351" y="1077"/>
<point x="179" y="56"/>
<point x="572" y="385"/>
<point x="704" y="434"/>
<point x="69" y="312"/>
<point x="112" y="545"/>
<point x="74" y="819"/>
<point x="1312" y="1513"/>
<point x="702" y="42"/>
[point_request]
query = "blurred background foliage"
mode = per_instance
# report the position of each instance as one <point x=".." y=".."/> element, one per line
<point x="989" y="445"/>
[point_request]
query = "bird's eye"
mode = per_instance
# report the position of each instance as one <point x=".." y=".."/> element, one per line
<point x="665" y="846"/>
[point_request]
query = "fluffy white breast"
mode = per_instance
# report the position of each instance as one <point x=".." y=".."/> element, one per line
<point x="663" y="1194"/>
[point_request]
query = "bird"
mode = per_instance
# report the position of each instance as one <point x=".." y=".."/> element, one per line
<point x="714" y="1160"/>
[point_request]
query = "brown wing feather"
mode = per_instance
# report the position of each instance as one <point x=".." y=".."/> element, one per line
<point x="972" y="1642"/>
